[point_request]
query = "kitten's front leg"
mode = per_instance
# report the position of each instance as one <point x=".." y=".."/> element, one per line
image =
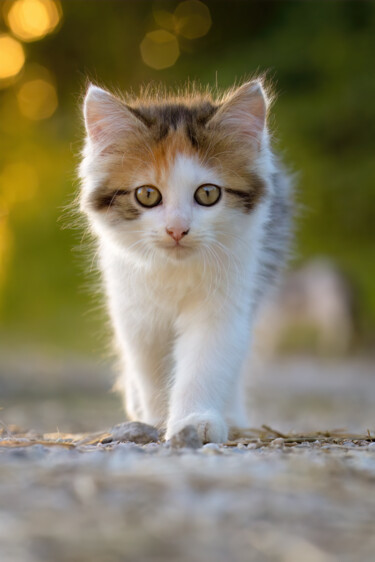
<point x="145" y="349"/>
<point x="209" y="355"/>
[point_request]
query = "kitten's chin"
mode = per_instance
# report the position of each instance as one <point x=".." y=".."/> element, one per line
<point x="177" y="252"/>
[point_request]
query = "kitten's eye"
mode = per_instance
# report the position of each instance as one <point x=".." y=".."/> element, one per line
<point x="207" y="195"/>
<point x="148" y="196"/>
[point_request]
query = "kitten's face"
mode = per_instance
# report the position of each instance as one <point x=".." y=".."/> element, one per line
<point x="173" y="180"/>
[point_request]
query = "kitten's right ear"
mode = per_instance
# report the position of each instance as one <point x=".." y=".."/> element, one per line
<point x="244" y="112"/>
<point x="106" y="117"/>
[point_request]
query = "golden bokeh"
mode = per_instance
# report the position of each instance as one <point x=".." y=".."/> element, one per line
<point x="12" y="57"/>
<point x="159" y="49"/>
<point x="164" y="19"/>
<point x="192" y="19"/>
<point x="31" y="20"/>
<point x="37" y="99"/>
<point x="6" y="246"/>
<point x="19" y="181"/>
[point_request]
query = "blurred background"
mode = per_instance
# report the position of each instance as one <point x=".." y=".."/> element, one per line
<point x="320" y="332"/>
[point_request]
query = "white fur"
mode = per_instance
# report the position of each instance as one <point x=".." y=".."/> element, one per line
<point x="183" y="316"/>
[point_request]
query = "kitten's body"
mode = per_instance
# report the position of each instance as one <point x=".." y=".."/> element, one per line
<point x="184" y="279"/>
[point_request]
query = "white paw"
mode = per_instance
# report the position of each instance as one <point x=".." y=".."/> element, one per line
<point x="210" y="426"/>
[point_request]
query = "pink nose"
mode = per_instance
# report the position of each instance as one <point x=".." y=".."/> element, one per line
<point x="177" y="233"/>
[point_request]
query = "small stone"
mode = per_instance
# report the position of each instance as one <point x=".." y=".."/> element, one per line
<point x="151" y="447"/>
<point x="125" y="448"/>
<point x="135" y="432"/>
<point x="187" y="437"/>
<point x="241" y="446"/>
<point x="18" y="452"/>
<point x="211" y="449"/>
<point x="371" y="446"/>
<point x="213" y="446"/>
<point x="277" y="443"/>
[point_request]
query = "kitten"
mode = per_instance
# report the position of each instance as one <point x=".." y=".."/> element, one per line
<point x="191" y="213"/>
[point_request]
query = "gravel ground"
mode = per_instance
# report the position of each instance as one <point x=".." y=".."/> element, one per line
<point x="307" y="502"/>
<point x="261" y="497"/>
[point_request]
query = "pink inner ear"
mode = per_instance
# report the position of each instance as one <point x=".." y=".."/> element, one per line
<point x="106" y="118"/>
<point x="245" y="112"/>
<point x="92" y="121"/>
<point x="96" y="107"/>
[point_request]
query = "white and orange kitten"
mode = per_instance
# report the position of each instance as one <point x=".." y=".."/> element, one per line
<point x="191" y="213"/>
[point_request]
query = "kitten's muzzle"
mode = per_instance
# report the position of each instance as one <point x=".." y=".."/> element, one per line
<point x="177" y="233"/>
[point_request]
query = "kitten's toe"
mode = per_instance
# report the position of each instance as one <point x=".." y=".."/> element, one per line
<point x="211" y="427"/>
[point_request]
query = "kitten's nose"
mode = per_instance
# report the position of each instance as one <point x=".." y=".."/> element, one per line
<point x="177" y="233"/>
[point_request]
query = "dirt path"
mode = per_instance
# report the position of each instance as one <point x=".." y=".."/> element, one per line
<point x="260" y="498"/>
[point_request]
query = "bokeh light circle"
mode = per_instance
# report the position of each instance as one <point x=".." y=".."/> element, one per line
<point x="164" y="19"/>
<point x="159" y="49"/>
<point x="18" y="182"/>
<point x="192" y="19"/>
<point x="37" y="99"/>
<point x="31" y="20"/>
<point x="12" y="57"/>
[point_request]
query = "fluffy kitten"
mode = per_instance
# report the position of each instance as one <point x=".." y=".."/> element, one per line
<point x="191" y="213"/>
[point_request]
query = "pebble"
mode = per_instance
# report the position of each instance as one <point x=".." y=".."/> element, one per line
<point x="33" y="452"/>
<point x="128" y="447"/>
<point x="211" y="449"/>
<point x="151" y="447"/>
<point x="277" y="443"/>
<point x="212" y="446"/>
<point x="135" y="432"/>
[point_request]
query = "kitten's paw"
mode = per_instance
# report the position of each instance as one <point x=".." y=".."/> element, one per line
<point x="210" y="426"/>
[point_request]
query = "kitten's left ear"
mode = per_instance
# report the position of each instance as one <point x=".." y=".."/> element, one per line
<point x="244" y="113"/>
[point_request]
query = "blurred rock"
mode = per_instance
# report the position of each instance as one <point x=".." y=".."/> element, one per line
<point x="136" y="432"/>
<point x="313" y="310"/>
<point x="212" y="449"/>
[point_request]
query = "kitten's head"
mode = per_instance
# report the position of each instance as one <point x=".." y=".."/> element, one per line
<point x="176" y="177"/>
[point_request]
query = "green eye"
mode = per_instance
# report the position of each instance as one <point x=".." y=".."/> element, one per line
<point x="207" y="195"/>
<point x="148" y="196"/>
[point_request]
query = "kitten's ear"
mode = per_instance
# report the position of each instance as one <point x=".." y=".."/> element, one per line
<point x="106" y="117"/>
<point x="244" y="112"/>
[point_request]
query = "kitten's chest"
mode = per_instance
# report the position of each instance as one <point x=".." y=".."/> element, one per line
<point x="167" y="290"/>
<point x="160" y="288"/>
<point x="168" y="287"/>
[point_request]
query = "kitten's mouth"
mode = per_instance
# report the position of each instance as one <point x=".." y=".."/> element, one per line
<point x="176" y="250"/>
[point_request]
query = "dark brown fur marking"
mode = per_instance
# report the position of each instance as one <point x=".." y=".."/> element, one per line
<point x="118" y="200"/>
<point x="248" y="199"/>
<point x="103" y="200"/>
<point x="163" y="119"/>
